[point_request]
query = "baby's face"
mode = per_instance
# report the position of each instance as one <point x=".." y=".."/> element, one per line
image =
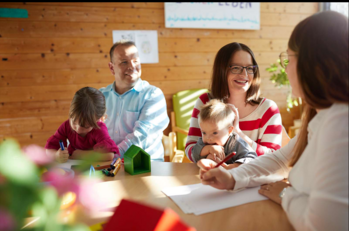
<point x="213" y="133"/>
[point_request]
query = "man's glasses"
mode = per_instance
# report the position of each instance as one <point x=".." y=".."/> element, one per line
<point x="284" y="59"/>
<point x="239" y="69"/>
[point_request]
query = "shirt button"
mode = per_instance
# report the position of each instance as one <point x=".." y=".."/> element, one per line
<point x="117" y="114"/>
<point x="116" y="132"/>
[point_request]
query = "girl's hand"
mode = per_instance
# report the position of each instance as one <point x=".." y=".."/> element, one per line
<point x="272" y="190"/>
<point x="236" y="121"/>
<point x="62" y="156"/>
<point x="218" y="178"/>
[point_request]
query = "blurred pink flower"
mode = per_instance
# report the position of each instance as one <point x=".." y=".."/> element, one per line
<point x="6" y="221"/>
<point x="37" y="154"/>
<point x="85" y="189"/>
<point x="90" y="197"/>
<point x="60" y="182"/>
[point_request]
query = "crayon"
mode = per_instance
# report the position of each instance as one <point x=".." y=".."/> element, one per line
<point x="112" y="167"/>
<point x="106" y="172"/>
<point x="115" y="170"/>
<point x="101" y="167"/>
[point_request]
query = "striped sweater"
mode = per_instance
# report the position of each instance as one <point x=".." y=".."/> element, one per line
<point x="263" y="126"/>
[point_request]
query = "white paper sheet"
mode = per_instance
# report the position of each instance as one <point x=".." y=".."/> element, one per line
<point x="200" y="199"/>
<point x="146" y="42"/>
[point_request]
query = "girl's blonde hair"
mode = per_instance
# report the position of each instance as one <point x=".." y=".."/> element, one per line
<point x="217" y="111"/>
<point x="87" y="107"/>
<point x="321" y="45"/>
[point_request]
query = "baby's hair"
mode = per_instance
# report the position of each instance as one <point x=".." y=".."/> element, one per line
<point x="87" y="106"/>
<point x="217" y="111"/>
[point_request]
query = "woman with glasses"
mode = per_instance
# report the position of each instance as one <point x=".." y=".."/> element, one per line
<point x="316" y="160"/>
<point x="236" y="81"/>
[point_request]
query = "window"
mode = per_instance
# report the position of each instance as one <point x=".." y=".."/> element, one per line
<point x="341" y="7"/>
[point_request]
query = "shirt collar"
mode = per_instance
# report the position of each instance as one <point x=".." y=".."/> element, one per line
<point x="138" y="87"/>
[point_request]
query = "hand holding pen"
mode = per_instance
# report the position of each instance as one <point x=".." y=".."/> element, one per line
<point x="211" y="174"/>
<point x="62" y="154"/>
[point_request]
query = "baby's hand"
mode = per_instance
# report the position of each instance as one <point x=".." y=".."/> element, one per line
<point x="218" y="150"/>
<point x="212" y="157"/>
<point x="62" y="155"/>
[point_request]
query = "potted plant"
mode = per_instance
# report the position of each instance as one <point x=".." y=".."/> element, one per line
<point x="280" y="79"/>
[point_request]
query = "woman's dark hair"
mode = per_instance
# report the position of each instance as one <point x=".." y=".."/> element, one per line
<point x="320" y="43"/>
<point x="87" y="107"/>
<point x="219" y="82"/>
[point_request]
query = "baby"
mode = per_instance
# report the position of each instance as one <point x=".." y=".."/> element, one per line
<point x="218" y="139"/>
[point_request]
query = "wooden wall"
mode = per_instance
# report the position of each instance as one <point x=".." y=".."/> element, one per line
<point x="61" y="47"/>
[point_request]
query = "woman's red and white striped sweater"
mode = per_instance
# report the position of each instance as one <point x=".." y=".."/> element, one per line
<point x="263" y="126"/>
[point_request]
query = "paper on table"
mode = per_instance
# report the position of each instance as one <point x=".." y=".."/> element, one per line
<point x="200" y="199"/>
<point x="68" y="164"/>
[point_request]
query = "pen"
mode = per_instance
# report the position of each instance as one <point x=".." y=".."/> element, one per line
<point x="226" y="158"/>
<point x="61" y="144"/>
<point x="115" y="170"/>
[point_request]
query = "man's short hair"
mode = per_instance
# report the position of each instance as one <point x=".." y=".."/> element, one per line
<point x="122" y="42"/>
<point x="217" y="111"/>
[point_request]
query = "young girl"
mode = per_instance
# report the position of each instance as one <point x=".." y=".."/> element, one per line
<point x="84" y="129"/>
<point x="218" y="139"/>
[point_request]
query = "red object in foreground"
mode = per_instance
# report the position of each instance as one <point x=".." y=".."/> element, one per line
<point x="226" y="159"/>
<point x="133" y="216"/>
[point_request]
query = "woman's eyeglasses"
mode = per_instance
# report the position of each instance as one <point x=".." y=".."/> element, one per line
<point x="284" y="59"/>
<point x="239" y="69"/>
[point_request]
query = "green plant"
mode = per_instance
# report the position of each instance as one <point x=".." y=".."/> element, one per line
<point x="280" y="79"/>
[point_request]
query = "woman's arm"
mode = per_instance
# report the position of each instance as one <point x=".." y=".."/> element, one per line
<point x="264" y="169"/>
<point x="269" y="127"/>
<point x="194" y="130"/>
<point x="326" y="207"/>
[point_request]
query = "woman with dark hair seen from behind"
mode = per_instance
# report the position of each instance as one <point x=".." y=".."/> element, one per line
<point x="236" y="81"/>
<point x="316" y="160"/>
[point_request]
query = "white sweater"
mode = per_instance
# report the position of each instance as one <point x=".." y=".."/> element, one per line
<point x="318" y="198"/>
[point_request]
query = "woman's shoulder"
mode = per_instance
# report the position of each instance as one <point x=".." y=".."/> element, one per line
<point x="337" y="113"/>
<point x="202" y="99"/>
<point x="266" y="108"/>
<point x="267" y="103"/>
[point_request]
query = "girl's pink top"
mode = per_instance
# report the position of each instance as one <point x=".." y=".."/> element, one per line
<point x="97" y="139"/>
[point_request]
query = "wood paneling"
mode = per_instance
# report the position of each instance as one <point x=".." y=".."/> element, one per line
<point x="63" y="46"/>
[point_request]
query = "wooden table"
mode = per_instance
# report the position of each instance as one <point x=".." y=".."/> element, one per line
<point x="146" y="188"/>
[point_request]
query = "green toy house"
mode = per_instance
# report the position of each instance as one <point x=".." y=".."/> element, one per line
<point x="136" y="161"/>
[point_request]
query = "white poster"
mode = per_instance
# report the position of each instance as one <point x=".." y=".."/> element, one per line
<point x="213" y="15"/>
<point x="145" y="40"/>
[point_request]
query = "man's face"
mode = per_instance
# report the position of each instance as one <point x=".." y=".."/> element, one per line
<point x="126" y="67"/>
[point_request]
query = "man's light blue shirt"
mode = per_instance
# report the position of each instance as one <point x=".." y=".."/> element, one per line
<point x="139" y="117"/>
